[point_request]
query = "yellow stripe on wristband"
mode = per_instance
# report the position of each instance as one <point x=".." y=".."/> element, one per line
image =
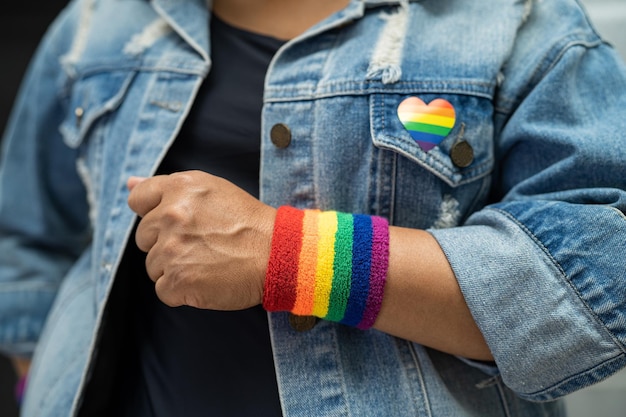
<point x="327" y="228"/>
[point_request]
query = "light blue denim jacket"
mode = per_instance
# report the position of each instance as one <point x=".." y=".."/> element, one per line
<point x="534" y="226"/>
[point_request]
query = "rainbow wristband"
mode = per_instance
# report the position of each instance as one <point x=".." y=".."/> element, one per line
<point x="327" y="264"/>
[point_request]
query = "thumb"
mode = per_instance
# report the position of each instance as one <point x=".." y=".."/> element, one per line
<point x="133" y="181"/>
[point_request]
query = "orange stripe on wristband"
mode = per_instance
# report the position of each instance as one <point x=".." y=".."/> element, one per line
<point x="307" y="265"/>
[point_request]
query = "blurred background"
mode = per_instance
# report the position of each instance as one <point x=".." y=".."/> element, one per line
<point x="23" y="23"/>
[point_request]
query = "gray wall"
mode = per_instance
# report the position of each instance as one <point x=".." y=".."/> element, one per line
<point x="609" y="17"/>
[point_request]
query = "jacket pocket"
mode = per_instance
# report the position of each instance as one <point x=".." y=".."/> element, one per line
<point x="85" y="128"/>
<point x="91" y="97"/>
<point x="465" y="152"/>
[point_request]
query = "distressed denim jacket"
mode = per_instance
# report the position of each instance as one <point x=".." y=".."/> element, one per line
<point x="525" y="194"/>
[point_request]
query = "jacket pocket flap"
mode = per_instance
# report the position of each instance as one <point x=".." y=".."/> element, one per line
<point x="472" y="127"/>
<point x="90" y="98"/>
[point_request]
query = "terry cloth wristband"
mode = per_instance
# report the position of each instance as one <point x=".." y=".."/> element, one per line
<point x="327" y="264"/>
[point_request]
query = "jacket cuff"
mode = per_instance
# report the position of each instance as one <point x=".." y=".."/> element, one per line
<point x="545" y="340"/>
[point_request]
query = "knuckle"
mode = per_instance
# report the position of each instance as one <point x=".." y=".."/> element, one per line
<point x="172" y="218"/>
<point x="164" y="291"/>
<point x="183" y="178"/>
<point x="132" y="200"/>
<point x="191" y="300"/>
<point x="144" y="237"/>
<point x="142" y="243"/>
<point x="176" y="213"/>
<point x="153" y="271"/>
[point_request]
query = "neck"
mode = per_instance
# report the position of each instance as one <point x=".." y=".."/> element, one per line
<point x="282" y="19"/>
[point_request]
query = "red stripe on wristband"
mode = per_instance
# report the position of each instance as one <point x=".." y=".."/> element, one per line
<point x="280" y="290"/>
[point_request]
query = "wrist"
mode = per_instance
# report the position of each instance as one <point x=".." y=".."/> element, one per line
<point x="265" y="231"/>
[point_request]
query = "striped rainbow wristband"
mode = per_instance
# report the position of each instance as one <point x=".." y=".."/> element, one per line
<point x="327" y="264"/>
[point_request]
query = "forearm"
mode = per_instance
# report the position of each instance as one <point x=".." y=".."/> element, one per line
<point x="422" y="300"/>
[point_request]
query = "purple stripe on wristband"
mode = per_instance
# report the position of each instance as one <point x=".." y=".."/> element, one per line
<point x="378" y="274"/>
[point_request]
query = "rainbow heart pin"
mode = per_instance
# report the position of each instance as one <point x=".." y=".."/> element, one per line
<point x="428" y="124"/>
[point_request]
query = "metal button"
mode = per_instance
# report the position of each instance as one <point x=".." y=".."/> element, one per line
<point x="462" y="154"/>
<point x="280" y="135"/>
<point x="302" y="323"/>
<point x="79" y="112"/>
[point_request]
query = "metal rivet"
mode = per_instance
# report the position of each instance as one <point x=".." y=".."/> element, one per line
<point x="280" y="135"/>
<point x="79" y="112"/>
<point x="302" y="323"/>
<point x="462" y="154"/>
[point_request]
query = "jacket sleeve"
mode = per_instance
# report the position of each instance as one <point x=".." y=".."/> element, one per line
<point x="43" y="221"/>
<point x="543" y="268"/>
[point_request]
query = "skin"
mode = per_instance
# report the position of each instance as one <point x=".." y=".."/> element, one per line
<point x="208" y="244"/>
<point x="282" y="19"/>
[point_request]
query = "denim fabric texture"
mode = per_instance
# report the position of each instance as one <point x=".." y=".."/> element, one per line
<point x="533" y="227"/>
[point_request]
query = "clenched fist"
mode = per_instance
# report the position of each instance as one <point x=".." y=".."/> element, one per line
<point x="207" y="240"/>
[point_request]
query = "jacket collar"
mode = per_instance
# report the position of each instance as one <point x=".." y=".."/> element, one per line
<point x="189" y="19"/>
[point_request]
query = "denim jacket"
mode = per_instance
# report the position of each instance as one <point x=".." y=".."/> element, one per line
<point x="525" y="194"/>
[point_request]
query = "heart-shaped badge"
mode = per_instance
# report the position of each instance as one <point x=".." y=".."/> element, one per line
<point x="428" y="124"/>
